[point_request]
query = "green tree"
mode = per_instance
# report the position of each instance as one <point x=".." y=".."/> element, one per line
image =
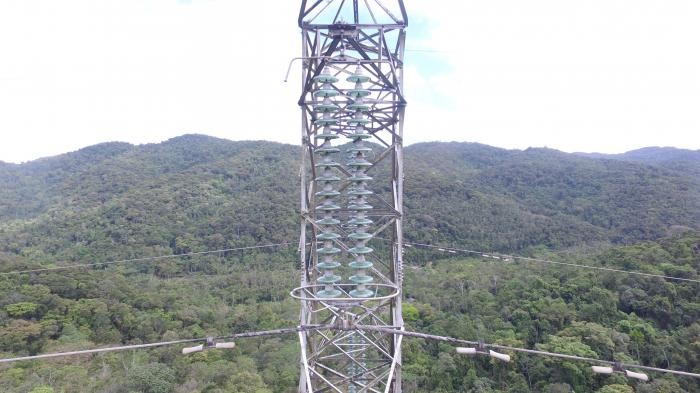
<point x="42" y="389"/>
<point x="615" y="388"/>
<point x="22" y="310"/>
<point x="152" y="378"/>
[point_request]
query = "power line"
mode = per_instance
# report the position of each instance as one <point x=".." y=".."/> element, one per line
<point x="164" y="343"/>
<point x="98" y="350"/>
<point x="82" y="265"/>
<point x="528" y="259"/>
<point x="390" y="330"/>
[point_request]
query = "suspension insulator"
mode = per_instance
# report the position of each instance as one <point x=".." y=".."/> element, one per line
<point x="327" y="193"/>
<point x="358" y="78"/>
<point x="326" y="120"/>
<point x="325" y="77"/>
<point x="358" y="191"/>
<point x="356" y="177"/>
<point x="326" y="106"/>
<point x="326" y="80"/>
<point x="326" y="148"/>
<point x="358" y="92"/>
<point x="359" y="135"/>
<point x="359" y="105"/>
<point x="358" y="119"/>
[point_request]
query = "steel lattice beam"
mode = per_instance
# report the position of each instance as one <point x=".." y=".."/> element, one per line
<point x="341" y="38"/>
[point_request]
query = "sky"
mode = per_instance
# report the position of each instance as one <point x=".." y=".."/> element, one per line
<point x="595" y="76"/>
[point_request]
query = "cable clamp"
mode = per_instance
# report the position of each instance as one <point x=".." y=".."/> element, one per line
<point x="481" y="349"/>
<point x="619" y="367"/>
<point x="210" y="343"/>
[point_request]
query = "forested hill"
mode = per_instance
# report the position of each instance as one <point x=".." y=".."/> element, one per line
<point x="198" y="192"/>
<point x="543" y="196"/>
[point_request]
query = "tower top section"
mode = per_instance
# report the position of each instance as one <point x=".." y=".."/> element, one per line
<point x="320" y="13"/>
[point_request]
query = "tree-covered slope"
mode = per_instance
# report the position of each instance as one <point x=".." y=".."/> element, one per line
<point x="579" y="312"/>
<point x="198" y="192"/>
<point x="513" y="199"/>
<point x="189" y="192"/>
<point x="565" y="310"/>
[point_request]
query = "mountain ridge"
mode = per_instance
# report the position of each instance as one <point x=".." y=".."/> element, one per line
<point x="658" y="153"/>
<point x="683" y="160"/>
<point x="653" y="153"/>
<point x="477" y="195"/>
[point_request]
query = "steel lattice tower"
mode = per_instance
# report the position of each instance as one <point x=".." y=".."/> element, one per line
<point x="351" y="193"/>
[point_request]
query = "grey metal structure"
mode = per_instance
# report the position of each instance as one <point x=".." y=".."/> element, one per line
<point x="352" y="87"/>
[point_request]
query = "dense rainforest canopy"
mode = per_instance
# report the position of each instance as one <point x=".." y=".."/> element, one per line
<point x="196" y="193"/>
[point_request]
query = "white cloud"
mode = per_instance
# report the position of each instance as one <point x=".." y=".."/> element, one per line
<point x="578" y="76"/>
<point x="81" y="72"/>
<point x="600" y="75"/>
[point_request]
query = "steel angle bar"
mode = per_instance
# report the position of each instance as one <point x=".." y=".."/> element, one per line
<point x="397" y="20"/>
<point x="347" y="355"/>
<point x="375" y="380"/>
<point x="328" y="383"/>
<point x="347" y="378"/>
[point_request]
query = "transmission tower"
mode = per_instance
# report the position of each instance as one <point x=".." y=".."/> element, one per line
<point x="352" y="105"/>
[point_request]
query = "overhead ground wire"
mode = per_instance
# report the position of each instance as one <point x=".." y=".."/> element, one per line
<point x="438" y="247"/>
<point x="163" y="343"/>
<point x="540" y="260"/>
<point x="159" y="257"/>
<point x="391" y="330"/>
<point x="381" y="329"/>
